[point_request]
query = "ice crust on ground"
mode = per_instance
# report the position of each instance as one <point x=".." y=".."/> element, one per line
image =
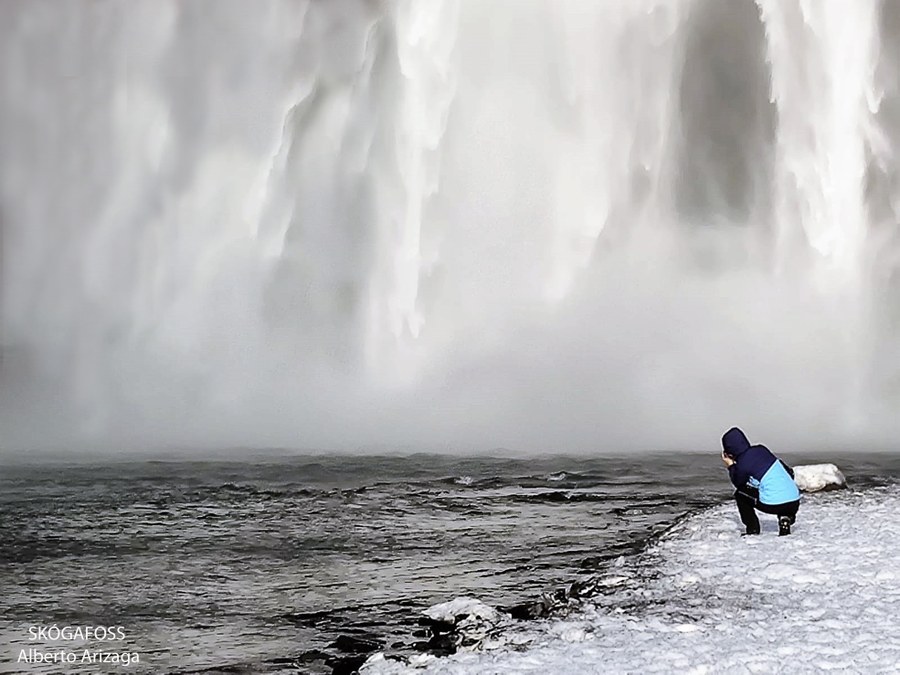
<point x="816" y="477"/>
<point x="705" y="600"/>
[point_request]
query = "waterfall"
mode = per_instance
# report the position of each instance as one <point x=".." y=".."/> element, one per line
<point x="549" y="225"/>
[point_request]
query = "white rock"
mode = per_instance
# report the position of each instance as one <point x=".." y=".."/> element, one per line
<point x="464" y="605"/>
<point x="816" y="477"/>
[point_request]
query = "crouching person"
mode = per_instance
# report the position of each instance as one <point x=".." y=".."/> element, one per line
<point x="764" y="482"/>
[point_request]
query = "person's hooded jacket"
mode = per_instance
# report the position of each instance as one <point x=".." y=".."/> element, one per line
<point x="756" y="468"/>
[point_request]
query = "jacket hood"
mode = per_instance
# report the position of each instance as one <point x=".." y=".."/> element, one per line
<point x="735" y="443"/>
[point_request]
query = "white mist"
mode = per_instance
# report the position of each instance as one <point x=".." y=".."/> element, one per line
<point x="541" y="225"/>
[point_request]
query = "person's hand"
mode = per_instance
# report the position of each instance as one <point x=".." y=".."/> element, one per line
<point x="726" y="460"/>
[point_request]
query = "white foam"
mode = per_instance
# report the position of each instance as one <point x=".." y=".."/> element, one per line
<point x="822" y="599"/>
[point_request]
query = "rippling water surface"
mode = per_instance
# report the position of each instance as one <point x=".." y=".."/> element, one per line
<point x="260" y="567"/>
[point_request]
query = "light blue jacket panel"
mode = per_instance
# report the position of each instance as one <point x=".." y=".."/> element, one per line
<point x="777" y="486"/>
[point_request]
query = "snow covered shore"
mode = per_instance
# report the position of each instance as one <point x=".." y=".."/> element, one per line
<point x="705" y="600"/>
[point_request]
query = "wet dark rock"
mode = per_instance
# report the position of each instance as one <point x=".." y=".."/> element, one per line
<point x="346" y="665"/>
<point x="442" y="645"/>
<point x="547" y="604"/>
<point x="462" y="622"/>
<point x="439" y="645"/>
<point x="527" y="611"/>
<point x="441" y="637"/>
<point x="437" y="625"/>
<point x="313" y="655"/>
<point x="355" y="645"/>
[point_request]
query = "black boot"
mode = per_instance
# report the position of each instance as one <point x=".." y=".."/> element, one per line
<point x="750" y="530"/>
<point x="784" y="525"/>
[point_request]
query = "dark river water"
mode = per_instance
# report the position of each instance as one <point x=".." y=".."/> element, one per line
<point x="273" y="565"/>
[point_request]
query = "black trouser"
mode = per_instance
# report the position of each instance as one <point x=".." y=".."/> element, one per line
<point x="748" y="506"/>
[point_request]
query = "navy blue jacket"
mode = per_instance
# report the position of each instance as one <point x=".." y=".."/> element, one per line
<point x="757" y="468"/>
